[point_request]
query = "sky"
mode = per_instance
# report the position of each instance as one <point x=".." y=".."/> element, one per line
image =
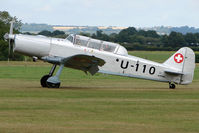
<point x="124" y="13"/>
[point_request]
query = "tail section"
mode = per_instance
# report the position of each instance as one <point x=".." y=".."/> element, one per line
<point x="182" y="64"/>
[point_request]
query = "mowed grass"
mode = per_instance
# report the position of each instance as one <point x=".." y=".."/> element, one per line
<point x="94" y="104"/>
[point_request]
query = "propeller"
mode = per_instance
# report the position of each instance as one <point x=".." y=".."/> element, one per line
<point x="9" y="36"/>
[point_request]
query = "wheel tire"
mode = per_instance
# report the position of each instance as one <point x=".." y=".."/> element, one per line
<point x="52" y="85"/>
<point x="44" y="79"/>
<point x="172" y="86"/>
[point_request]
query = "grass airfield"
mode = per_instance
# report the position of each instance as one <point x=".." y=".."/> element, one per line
<point x="94" y="104"/>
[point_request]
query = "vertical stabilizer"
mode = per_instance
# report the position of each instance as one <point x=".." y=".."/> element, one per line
<point x="183" y="61"/>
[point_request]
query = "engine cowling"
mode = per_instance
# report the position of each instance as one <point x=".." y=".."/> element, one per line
<point x="38" y="46"/>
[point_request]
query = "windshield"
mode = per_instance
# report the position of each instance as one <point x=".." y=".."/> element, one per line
<point x="70" y="38"/>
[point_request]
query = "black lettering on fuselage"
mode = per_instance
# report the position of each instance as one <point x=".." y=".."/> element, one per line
<point x="137" y="66"/>
<point x="152" y="70"/>
<point x="144" y="68"/>
<point x="124" y="66"/>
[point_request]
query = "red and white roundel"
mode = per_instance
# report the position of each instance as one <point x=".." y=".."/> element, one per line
<point x="178" y="58"/>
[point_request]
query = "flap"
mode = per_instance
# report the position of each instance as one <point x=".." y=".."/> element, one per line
<point x="84" y="62"/>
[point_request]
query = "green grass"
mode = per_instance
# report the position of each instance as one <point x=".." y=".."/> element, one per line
<point x="94" y="104"/>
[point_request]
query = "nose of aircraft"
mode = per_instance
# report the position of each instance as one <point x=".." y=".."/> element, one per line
<point x="32" y="45"/>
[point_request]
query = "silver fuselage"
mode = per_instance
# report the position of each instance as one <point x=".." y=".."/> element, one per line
<point x="123" y="65"/>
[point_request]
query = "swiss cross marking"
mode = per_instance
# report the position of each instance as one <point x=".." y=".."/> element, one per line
<point x="178" y="58"/>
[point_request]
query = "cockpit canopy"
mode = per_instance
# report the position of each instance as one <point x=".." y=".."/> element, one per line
<point x="97" y="44"/>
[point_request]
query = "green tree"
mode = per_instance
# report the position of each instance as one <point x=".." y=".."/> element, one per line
<point x="57" y="33"/>
<point x="197" y="37"/>
<point x="149" y="33"/>
<point x="190" y="38"/>
<point x="165" y="40"/>
<point x="152" y="33"/>
<point x="124" y="35"/>
<point x="45" y="33"/>
<point x="100" y="35"/>
<point x="85" y="34"/>
<point x="176" y="39"/>
<point x="113" y="37"/>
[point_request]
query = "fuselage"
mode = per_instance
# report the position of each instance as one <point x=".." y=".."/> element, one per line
<point x="117" y="62"/>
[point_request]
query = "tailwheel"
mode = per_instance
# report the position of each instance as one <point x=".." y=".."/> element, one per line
<point x="53" y="85"/>
<point x="43" y="80"/>
<point x="172" y="86"/>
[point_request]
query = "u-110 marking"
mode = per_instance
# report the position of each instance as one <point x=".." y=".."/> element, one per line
<point x="151" y="71"/>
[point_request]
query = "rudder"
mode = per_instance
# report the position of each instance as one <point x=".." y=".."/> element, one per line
<point x="189" y="67"/>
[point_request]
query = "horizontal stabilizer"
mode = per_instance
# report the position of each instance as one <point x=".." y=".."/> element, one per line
<point x="173" y="72"/>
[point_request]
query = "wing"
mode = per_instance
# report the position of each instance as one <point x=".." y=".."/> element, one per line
<point x="85" y="63"/>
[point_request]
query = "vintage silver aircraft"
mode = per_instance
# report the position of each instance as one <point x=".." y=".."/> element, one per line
<point x="91" y="55"/>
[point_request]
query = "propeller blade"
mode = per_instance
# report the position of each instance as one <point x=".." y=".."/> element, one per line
<point x="9" y="37"/>
<point x="11" y="27"/>
<point x="9" y="47"/>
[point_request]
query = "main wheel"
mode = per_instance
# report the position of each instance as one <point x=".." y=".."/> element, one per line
<point x="43" y="80"/>
<point x="52" y="85"/>
<point x="172" y="86"/>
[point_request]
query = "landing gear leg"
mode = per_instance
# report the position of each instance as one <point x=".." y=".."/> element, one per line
<point x="45" y="77"/>
<point x="172" y="85"/>
<point x="54" y="82"/>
